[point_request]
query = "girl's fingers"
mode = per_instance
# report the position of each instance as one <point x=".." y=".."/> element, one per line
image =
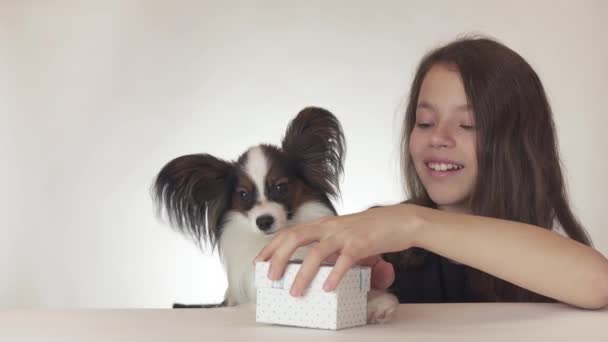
<point x="332" y="258"/>
<point x="370" y="261"/>
<point x="289" y="243"/>
<point x="383" y="275"/>
<point x="343" y="264"/>
<point x="268" y="250"/>
<point x="311" y="263"/>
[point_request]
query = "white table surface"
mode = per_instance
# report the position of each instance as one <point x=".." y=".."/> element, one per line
<point x="414" y="322"/>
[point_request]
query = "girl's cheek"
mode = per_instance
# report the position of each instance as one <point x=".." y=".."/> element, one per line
<point x="416" y="144"/>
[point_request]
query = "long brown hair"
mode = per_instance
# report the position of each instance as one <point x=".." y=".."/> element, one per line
<point x="520" y="176"/>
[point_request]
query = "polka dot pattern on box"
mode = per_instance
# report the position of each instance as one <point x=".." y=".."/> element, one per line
<point x="342" y="308"/>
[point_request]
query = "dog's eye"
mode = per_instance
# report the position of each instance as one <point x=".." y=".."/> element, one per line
<point x="280" y="189"/>
<point x="244" y="195"/>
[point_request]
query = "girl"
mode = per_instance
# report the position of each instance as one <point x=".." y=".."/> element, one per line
<point x="488" y="217"/>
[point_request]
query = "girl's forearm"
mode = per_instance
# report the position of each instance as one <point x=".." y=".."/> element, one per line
<point x="530" y="257"/>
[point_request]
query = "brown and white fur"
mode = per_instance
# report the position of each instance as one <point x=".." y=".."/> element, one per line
<point x="239" y="205"/>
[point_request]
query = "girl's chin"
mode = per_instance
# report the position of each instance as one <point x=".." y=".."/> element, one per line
<point x="451" y="205"/>
<point x="455" y="209"/>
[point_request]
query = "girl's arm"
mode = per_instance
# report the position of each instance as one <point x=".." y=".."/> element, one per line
<point x="528" y="256"/>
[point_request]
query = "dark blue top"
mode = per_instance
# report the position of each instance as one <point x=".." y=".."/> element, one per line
<point x="438" y="280"/>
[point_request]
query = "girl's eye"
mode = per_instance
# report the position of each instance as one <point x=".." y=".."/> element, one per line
<point x="468" y="127"/>
<point x="424" y="125"/>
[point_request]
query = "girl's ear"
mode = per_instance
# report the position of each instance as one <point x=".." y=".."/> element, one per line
<point x="315" y="144"/>
<point x="191" y="187"/>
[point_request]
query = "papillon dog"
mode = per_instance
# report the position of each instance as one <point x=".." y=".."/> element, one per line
<point x="237" y="206"/>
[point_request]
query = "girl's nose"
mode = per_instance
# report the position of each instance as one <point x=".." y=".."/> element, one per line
<point x="441" y="137"/>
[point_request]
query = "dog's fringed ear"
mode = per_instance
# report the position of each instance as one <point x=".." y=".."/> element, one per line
<point x="193" y="190"/>
<point x="315" y="143"/>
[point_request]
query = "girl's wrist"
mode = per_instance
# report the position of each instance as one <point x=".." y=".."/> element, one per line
<point x="419" y="225"/>
<point x="409" y="225"/>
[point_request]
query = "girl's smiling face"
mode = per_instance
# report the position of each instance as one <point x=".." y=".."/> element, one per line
<point x="443" y="142"/>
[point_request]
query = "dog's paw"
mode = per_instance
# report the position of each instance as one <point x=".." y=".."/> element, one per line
<point x="381" y="306"/>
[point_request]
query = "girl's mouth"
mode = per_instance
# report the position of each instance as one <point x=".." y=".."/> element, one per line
<point x="443" y="168"/>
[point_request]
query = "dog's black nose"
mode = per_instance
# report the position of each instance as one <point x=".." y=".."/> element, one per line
<point x="264" y="222"/>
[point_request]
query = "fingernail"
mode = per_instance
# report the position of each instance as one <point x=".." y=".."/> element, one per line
<point x="294" y="292"/>
<point x="327" y="287"/>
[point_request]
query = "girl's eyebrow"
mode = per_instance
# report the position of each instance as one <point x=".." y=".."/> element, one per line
<point x="427" y="105"/>
<point x="464" y="108"/>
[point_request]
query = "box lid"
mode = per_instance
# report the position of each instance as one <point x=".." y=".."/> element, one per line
<point x="357" y="279"/>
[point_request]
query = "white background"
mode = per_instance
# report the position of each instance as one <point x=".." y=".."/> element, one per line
<point x="96" y="96"/>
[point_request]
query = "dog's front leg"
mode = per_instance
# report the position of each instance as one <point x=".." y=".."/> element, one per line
<point x="381" y="306"/>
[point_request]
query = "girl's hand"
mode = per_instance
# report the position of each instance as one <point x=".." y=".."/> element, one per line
<point x="351" y="239"/>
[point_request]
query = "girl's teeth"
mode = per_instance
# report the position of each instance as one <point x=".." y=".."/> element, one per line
<point x="443" y="166"/>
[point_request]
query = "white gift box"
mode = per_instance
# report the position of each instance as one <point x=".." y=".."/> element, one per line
<point x="344" y="307"/>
